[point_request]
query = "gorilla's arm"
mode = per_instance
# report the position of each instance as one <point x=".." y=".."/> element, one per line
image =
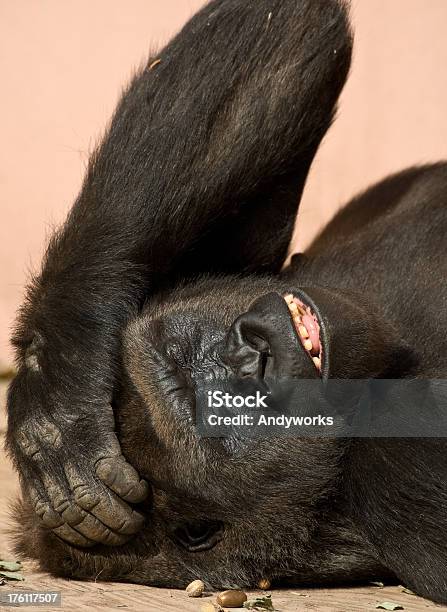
<point x="219" y="133"/>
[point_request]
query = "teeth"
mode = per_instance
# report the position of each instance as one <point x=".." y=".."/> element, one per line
<point x="304" y="320"/>
<point x="303" y="332"/>
<point x="293" y="308"/>
<point x="296" y="322"/>
<point x="308" y="345"/>
<point x="301" y="310"/>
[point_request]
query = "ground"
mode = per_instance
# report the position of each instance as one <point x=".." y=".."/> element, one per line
<point x="108" y="596"/>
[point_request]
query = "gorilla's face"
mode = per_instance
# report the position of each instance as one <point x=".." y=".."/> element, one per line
<point x="228" y="510"/>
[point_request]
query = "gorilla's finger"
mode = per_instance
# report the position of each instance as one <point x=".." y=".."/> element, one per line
<point x="122" y="478"/>
<point x="92" y="528"/>
<point x="63" y="503"/>
<point x="49" y="517"/>
<point x="78" y="520"/>
<point x="70" y="535"/>
<point x="53" y="520"/>
<point x="109" y="509"/>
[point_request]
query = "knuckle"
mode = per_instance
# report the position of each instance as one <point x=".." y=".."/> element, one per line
<point x="33" y="437"/>
<point x="106" y="469"/>
<point x="60" y="505"/>
<point x="122" y="478"/>
<point x="85" y="497"/>
<point x="73" y="515"/>
<point x="137" y="492"/>
<point x="49" y="517"/>
<point x="51" y="435"/>
<point x="40" y="507"/>
<point x="26" y="442"/>
<point x="92" y="528"/>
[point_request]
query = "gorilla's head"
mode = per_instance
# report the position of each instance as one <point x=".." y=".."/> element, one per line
<point x="233" y="510"/>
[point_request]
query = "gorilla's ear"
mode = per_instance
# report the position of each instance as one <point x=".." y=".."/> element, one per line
<point x="357" y="340"/>
<point x="216" y="135"/>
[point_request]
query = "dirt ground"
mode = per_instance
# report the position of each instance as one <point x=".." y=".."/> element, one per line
<point x="104" y="596"/>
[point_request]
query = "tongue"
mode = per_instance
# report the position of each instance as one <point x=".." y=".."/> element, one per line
<point x="313" y="330"/>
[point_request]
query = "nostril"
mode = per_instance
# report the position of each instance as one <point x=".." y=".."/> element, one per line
<point x="244" y="351"/>
<point x="246" y="362"/>
<point x="264" y="362"/>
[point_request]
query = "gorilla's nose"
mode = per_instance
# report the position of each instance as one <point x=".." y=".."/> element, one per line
<point x="263" y="343"/>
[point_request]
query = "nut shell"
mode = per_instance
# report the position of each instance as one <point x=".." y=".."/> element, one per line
<point x="264" y="584"/>
<point x="195" y="588"/>
<point x="231" y="599"/>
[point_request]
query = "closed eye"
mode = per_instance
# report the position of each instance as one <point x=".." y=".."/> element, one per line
<point x="199" y="535"/>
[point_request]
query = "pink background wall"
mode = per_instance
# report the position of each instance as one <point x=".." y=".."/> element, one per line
<point x="63" y="64"/>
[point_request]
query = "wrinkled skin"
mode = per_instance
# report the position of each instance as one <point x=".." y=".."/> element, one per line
<point x="178" y="235"/>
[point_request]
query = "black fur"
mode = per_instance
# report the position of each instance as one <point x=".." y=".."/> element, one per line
<point x="171" y="253"/>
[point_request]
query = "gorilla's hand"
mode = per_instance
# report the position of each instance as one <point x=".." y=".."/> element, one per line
<point x="71" y="468"/>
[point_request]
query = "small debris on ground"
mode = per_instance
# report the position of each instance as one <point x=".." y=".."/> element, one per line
<point x="231" y="598"/>
<point x="260" y="603"/>
<point x="153" y="64"/>
<point x="389" y="605"/>
<point x="264" y="584"/>
<point x="407" y="591"/>
<point x="10" y="570"/>
<point x="195" y="588"/>
<point x="10" y="566"/>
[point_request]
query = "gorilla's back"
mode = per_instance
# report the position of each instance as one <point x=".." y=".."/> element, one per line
<point x="389" y="243"/>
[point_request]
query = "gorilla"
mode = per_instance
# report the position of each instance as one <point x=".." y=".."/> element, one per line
<point x="169" y="270"/>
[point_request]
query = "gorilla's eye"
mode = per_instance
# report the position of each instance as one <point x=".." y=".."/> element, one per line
<point x="199" y="535"/>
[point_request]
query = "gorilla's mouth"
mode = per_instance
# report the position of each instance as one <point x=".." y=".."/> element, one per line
<point x="307" y="328"/>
